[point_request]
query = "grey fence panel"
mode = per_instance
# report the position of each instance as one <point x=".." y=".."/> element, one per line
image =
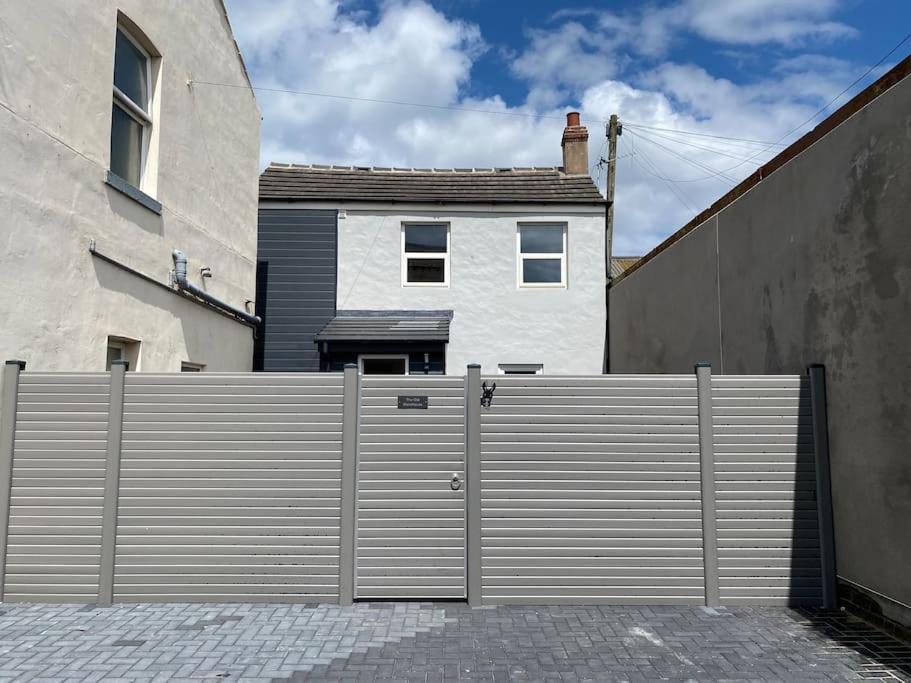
<point x="410" y="522"/>
<point x="230" y="488"/>
<point x="591" y="491"/>
<point x="768" y="547"/>
<point x="57" y="487"/>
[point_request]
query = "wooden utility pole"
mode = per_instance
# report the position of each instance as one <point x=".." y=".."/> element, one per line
<point x="613" y="132"/>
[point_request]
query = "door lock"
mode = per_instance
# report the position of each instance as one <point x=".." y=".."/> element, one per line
<point x="455" y="483"/>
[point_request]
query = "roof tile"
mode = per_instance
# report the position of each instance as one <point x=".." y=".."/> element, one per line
<point x="450" y="185"/>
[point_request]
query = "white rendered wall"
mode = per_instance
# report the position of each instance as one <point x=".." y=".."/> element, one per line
<point x="58" y="303"/>
<point x="495" y="321"/>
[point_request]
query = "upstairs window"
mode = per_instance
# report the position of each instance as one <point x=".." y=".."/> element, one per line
<point x="131" y="115"/>
<point x="541" y="255"/>
<point x="425" y="255"/>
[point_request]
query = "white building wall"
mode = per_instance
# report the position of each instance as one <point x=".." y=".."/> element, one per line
<point x="495" y="321"/>
<point x="58" y="304"/>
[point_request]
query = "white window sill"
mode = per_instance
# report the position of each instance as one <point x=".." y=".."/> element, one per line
<point x="113" y="180"/>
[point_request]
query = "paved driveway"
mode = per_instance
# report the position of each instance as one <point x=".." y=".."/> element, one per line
<point x="439" y="641"/>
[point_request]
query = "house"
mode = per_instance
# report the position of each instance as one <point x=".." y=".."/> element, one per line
<point x="423" y="271"/>
<point x="128" y="192"/>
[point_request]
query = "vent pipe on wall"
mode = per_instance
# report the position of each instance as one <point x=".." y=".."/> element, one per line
<point x="180" y="272"/>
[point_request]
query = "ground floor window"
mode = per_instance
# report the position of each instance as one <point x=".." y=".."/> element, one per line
<point x="122" y="348"/>
<point x="186" y="366"/>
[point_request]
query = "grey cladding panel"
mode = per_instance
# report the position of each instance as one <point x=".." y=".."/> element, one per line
<point x="296" y="282"/>
<point x="58" y="487"/>
<point x="768" y="545"/>
<point x="590" y="491"/>
<point x="230" y="488"/>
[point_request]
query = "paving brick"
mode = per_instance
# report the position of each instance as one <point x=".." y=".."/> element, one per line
<point x="440" y="642"/>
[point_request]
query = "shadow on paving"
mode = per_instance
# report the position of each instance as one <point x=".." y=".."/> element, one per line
<point x="890" y="659"/>
<point x="629" y="644"/>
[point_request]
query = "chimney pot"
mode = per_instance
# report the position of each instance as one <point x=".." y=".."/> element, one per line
<point x="575" y="146"/>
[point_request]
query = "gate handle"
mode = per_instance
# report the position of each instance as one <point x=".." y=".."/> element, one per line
<point x="455" y="483"/>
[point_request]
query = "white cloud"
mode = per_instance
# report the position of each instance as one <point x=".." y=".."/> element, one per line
<point x="408" y="51"/>
<point x="753" y="22"/>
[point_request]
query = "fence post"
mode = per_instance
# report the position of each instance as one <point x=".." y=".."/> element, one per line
<point x="707" y="483"/>
<point x="111" y="485"/>
<point x="8" y="406"/>
<point x="473" y="481"/>
<point x="817" y="373"/>
<point x="348" y="485"/>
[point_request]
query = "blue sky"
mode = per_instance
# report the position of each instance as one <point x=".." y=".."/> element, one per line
<point x="675" y="71"/>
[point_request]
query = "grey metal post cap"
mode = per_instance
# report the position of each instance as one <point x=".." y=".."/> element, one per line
<point x="474" y="365"/>
<point x="124" y="363"/>
<point x="20" y="363"/>
<point x="350" y="365"/>
<point x="703" y="364"/>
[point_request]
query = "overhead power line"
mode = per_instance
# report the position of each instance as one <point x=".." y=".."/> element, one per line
<point x="372" y="100"/>
<point x="650" y="168"/>
<point x="631" y="124"/>
<point x="714" y="150"/>
<point x="701" y="135"/>
<point x="713" y="172"/>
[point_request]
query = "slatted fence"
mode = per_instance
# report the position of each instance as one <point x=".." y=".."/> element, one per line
<point x="626" y="489"/>
<point x="590" y="490"/>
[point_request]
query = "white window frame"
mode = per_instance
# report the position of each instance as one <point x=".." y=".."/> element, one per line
<point x="521" y="258"/>
<point x="520" y="368"/>
<point x="133" y="110"/>
<point x="382" y="356"/>
<point x="406" y="255"/>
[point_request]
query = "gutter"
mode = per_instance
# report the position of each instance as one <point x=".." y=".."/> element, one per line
<point x="180" y="275"/>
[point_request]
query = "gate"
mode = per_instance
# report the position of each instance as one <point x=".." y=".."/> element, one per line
<point x="410" y="524"/>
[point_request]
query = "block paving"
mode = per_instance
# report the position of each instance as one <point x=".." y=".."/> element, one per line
<point x="399" y="641"/>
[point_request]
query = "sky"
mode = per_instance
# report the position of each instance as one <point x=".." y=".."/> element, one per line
<point x="706" y="90"/>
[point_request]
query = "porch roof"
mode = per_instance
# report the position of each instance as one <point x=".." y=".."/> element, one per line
<point x="387" y="326"/>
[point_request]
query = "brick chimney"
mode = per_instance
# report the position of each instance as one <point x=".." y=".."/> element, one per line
<point x="575" y="146"/>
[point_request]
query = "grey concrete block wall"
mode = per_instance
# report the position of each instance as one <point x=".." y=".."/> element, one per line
<point x="813" y="264"/>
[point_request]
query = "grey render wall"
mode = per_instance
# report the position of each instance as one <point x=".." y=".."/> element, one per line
<point x="59" y="303"/>
<point x="295" y="290"/>
<point x="813" y="264"/>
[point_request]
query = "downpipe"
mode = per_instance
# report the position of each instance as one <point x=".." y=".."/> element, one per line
<point x="180" y="275"/>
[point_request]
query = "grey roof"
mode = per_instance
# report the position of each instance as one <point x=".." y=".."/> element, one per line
<point x="387" y="326"/>
<point x="533" y="185"/>
<point x="619" y="264"/>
